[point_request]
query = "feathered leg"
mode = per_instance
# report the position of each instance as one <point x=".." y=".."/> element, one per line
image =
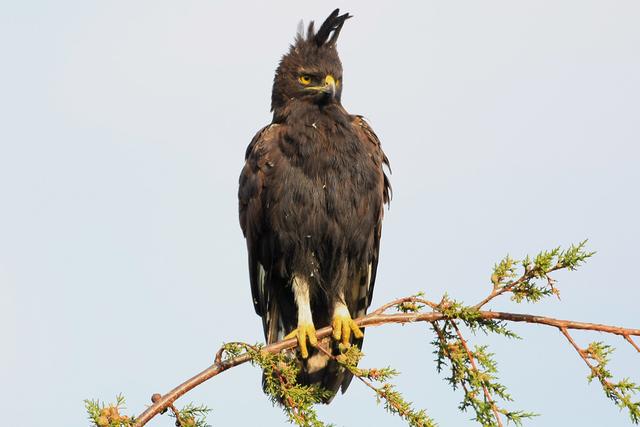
<point x="305" y="330"/>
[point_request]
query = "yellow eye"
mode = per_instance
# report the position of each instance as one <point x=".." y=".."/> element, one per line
<point x="304" y="79"/>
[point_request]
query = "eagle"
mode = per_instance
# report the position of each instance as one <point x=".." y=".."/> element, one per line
<point x="311" y="202"/>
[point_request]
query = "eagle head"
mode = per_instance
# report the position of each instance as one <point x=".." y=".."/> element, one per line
<point x="311" y="71"/>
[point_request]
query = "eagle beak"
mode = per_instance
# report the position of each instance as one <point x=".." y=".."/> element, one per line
<point x="329" y="85"/>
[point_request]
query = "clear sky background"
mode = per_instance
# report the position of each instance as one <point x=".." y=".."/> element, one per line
<point x="511" y="127"/>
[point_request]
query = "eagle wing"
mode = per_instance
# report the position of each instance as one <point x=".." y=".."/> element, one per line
<point x="370" y="140"/>
<point x="360" y="293"/>
<point x="260" y="157"/>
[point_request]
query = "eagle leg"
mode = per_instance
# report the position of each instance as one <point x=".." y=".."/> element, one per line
<point x="343" y="325"/>
<point x="305" y="330"/>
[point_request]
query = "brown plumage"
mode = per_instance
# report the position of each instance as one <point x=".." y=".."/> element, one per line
<point x="311" y="199"/>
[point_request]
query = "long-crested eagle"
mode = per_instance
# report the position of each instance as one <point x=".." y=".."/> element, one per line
<point x="311" y="198"/>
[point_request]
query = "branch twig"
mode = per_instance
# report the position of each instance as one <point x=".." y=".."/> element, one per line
<point x="528" y="275"/>
<point x="632" y="342"/>
<point x="577" y="347"/>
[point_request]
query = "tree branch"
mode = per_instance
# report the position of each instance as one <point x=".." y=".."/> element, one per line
<point x="376" y="318"/>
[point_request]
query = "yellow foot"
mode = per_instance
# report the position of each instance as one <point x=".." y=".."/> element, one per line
<point x="343" y="326"/>
<point x="303" y="332"/>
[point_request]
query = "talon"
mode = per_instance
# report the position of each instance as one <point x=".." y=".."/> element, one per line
<point x="343" y="326"/>
<point x="303" y="333"/>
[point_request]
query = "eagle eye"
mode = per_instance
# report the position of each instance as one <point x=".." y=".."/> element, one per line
<point x="305" y="79"/>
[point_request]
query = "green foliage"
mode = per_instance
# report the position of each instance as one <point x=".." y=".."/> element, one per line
<point x="411" y="306"/>
<point x="475" y="372"/>
<point x="472" y="318"/>
<point x="575" y="256"/>
<point x="280" y="383"/>
<point x="504" y="271"/>
<point x="281" y="370"/>
<point x="528" y="286"/>
<point x="621" y="392"/>
<point x="456" y="310"/>
<point x="192" y="416"/>
<point x="350" y="359"/>
<point x="394" y="402"/>
<point x="103" y="414"/>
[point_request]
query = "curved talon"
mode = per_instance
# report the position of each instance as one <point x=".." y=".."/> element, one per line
<point x="343" y="327"/>
<point x="302" y="333"/>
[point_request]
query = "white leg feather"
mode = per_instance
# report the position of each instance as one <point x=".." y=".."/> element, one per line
<point x="303" y="302"/>
<point x="305" y="330"/>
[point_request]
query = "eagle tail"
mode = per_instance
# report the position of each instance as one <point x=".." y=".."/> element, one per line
<point x="320" y="370"/>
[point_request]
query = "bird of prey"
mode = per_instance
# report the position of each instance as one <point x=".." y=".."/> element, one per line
<point x="311" y="199"/>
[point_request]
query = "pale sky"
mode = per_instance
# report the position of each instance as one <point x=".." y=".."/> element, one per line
<point x="510" y="126"/>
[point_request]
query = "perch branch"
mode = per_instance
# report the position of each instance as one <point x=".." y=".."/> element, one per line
<point x="376" y="318"/>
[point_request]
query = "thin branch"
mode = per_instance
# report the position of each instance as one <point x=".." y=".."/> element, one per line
<point x="621" y="392"/>
<point x="577" y="347"/>
<point x="632" y="342"/>
<point x="487" y="395"/>
<point x="176" y="414"/>
<point x="558" y="323"/>
<point x="373" y="319"/>
<point x="583" y="354"/>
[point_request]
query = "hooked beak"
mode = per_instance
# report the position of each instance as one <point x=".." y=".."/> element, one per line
<point x="329" y="87"/>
